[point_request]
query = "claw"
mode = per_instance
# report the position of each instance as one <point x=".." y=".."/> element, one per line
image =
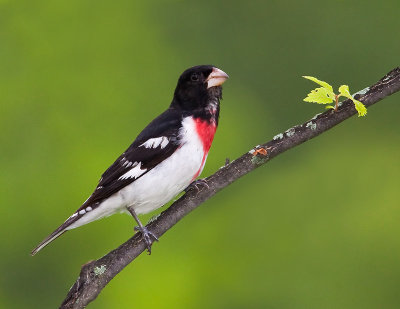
<point x="195" y="185"/>
<point x="147" y="236"/>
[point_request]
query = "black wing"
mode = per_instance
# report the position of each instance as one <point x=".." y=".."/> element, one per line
<point x="165" y="126"/>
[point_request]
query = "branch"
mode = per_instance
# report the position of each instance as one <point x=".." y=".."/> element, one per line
<point x="95" y="275"/>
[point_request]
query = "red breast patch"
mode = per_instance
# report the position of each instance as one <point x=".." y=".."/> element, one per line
<point x="206" y="131"/>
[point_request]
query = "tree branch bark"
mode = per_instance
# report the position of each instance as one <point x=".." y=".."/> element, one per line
<point x="95" y="275"/>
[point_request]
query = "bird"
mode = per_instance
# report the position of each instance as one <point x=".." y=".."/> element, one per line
<point x="164" y="159"/>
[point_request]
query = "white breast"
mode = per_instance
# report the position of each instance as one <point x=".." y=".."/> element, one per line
<point x="170" y="177"/>
<point x="159" y="185"/>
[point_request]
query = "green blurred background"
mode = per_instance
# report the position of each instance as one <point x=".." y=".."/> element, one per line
<point x="318" y="227"/>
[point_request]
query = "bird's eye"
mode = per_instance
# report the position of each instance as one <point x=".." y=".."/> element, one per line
<point x="194" y="77"/>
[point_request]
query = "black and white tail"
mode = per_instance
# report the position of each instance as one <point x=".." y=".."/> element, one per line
<point x="58" y="232"/>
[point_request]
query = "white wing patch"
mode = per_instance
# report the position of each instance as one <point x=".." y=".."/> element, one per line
<point x="81" y="212"/>
<point x="126" y="163"/>
<point x="134" y="172"/>
<point x="155" y="142"/>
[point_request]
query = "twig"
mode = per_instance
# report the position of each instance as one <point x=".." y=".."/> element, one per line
<point x="95" y="275"/>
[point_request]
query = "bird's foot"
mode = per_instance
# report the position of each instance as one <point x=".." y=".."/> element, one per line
<point x="196" y="184"/>
<point x="147" y="237"/>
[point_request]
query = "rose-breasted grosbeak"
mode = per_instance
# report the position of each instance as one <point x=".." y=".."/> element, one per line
<point x="167" y="156"/>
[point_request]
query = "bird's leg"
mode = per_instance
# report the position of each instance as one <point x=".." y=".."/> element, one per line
<point x="195" y="185"/>
<point x="146" y="234"/>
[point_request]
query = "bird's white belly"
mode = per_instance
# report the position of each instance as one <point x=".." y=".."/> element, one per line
<point x="159" y="185"/>
<point x="166" y="180"/>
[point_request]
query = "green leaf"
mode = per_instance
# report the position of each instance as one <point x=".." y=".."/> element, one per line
<point x="344" y="91"/>
<point x="361" y="109"/>
<point x="321" y="96"/>
<point x="321" y="83"/>
<point x="325" y="95"/>
<point x="330" y="107"/>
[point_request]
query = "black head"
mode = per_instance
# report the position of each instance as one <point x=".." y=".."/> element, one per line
<point x="197" y="86"/>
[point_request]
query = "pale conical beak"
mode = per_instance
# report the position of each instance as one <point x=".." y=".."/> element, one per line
<point x="216" y="78"/>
